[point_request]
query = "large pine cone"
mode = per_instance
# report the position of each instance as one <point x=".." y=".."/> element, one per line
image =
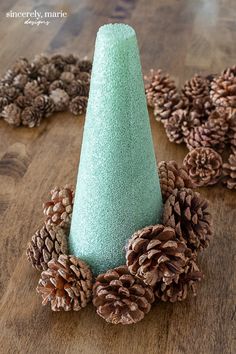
<point x="187" y="212"/>
<point x="212" y="133"/>
<point x="171" y="177"/>
<point x="204" y="166"/>
<point x="66" y="284"/>
<point x="229" y="170"/>
<point x="161" y="93"/>
<point x="197" y="90"/>
<point x="223" y="88"/>
<point x="47" y="243"/>
<point x="59" y="209"/>
<point x="120" y="297"/>
<point x="155" y="254"/>
<point x="178" y="290"/>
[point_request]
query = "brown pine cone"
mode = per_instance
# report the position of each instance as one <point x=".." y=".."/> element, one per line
<point x="32" y="89"/>
<point x="212" y="133"/>
<point x="40" y="60"/>
<point x="66" y="284"/>
<point x="60" y="99"/>
<point x="178" y="290"/>
<point x="197" y="90"/>
<point x="85" y="65"/>
<point x="71" y="59"/>
<point x="120" y="297"/>
<point x="23" y="101"/>
<point x="204" y="166"/>
<point x="31" y="116"/>
<point x="84" y="77"/>
<point x="229" y="171"/>
<point x="57" y="84"/>
<point x="12" y="114"/>
<point x="59" y="61"/>
<point x="155" y="254"/>
<point x="171" y="177"/>
<point x="77" y="88"/>
<point x="78" y="105"/>
<point x="47" y="243"/>
<point x="50" y="71"/>
<point x="59" y="209"/>
<point x="72" y="69"/>
<point x="8" y="77"/>
<point x="20" y="66"/>
<point x="44" y="104"/>
<point x="11" y="93"/>
<point x="67" y="76"/>
<point x="223" y="88"/>
<point x="20" y="81"/>
<point x="187" y="212"/>
<point x="3" y="102"/>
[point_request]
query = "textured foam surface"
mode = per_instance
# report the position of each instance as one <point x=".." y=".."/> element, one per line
<point x="117" y="188"/>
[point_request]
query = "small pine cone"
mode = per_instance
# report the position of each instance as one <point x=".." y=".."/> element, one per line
<point x="57" y="84"/>
<point x="67" y="76"/>
<point x="178" y="290"/>
<point x="11" y="93"/>
<point x="23" y="101"/>
<point x="59" y="209"/>
<point x="40" y="60"/>
<point x="3" y="102"/>
<point x="20" y="81"/>
<point x="12" y="114"/>
<point x="59" y="61"/>
<point x="47" y="243"/>
<point x="197" y="90"/>
<point x="231" y="134"/>
<point x="66" y="284"/>
<point x="211" y="134"/>
<point x="85" y="65"/>
<point x="72" y="69"/>
<point x="78" y="105"/>
<point x="187" y="212"/>
<point x="223" y="88"/>
<point x="61" y="99"/>
<point x="179" y="125"/>
<point x="8" y="77"/>
<point x="31" y="116"/>
<point x="155" y="254"/>
<point x="229" y="171"/>
<point x="171" y="177"/>
<point x="21" y="66"/>
<point x="204" y="166"/>
<point x="33" y="89"/>
<point x="50" y="72"/>
<point x="84" y="77"/>
<point x="70" y="59"/>
<point x="44" y="104"/>
<point x="120" y="297"/>
<point x="77" y="88"/>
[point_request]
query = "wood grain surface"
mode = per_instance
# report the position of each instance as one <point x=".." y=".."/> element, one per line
<point x="182" y="37"/>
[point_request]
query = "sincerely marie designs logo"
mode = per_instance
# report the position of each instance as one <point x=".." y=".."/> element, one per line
<point x="37" y="18"/>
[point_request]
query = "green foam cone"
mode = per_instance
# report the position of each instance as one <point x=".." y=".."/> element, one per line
<point x="118" y="189"/>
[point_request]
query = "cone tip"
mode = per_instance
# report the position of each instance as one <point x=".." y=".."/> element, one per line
<point x="115" y="32"/>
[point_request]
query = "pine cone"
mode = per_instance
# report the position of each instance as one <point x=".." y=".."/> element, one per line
<point x="66" y="284"/>
<point x="59" y="209"/>
<point x="78" y="105"/>
<point x="23" y="101"/>
<point x="187" y="212"/>
<point x="229" y="171"/>
<point x="204" y="166"/>
<point x="210" y="134"/>
<point x="12" y="114"/>
<point x="70" y="59"/>
<point x="162" y="94"/>
<point x="47" y="243"/>
<point x="20" y="81"/>
<point x="11" y="93"/>
<point x="155" y="254"/>
<point x="40" y="60"/>
<point x="120" y="297"/>
<point x="178" y="291"/>
<point x="77" y="88"/>
<point x="31" y="116"/>
<point x="33" y="89"/>
<point x="3" y="102"/>
<point x="197" y="90"/>
<point x="67" y="76"/>
<point x="85" y="65"/>
<point x="171" y="177"/>
<point x="223" y="88"/>
<point x="59" y="61"/>
<point x="57" y="84"/>
<point x="50" y="71"/>
<point x="60" y="99"/>
<point x="20" y="66"/>
<point x="72" y="69"/>
<point x="44" y="104"/>
<point x="8" y="77"/>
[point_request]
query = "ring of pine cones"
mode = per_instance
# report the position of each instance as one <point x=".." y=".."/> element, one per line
<point x="203" y="116"/>
<point x="161" y="260"/>
<point x="31" y="91"/>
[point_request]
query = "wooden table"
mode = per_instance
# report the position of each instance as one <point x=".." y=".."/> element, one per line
<point x="182" y="37"/>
